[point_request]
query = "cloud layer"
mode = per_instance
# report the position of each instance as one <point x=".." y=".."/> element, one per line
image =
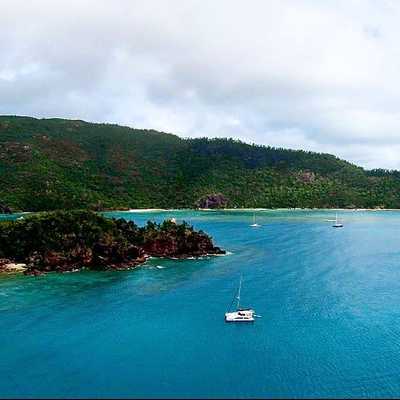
<point x="321" y="76"/>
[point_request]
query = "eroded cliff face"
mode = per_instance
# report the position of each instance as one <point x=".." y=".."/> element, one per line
<point x="217" y="200"/>
<point x="194" y="245"/>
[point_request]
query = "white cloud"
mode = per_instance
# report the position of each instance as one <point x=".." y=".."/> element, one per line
<point x="321" y="76"/>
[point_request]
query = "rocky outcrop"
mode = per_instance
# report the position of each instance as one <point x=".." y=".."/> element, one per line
<point x="217" y="200"/>
<point x="5" y="209"/>
<point x="306" y="176"/>
<point x="8" y="266"/>
<point x="102" y="257"/>
<point x="15" y="152"/>
<point x="69" y="241"/>
<point x="180" y="241"/>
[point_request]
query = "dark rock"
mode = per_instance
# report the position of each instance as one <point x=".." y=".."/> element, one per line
<point x="5" y="209"/>
<point x="34" y="272"/>
<point x="217" y="200"/>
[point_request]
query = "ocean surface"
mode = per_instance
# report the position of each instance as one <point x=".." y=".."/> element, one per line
<point x="329" y="300"/>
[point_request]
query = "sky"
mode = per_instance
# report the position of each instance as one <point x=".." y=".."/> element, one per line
<point x="313" y="75"/>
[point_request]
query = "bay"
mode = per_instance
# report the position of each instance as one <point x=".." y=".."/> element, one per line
<point x="328" y="298"/>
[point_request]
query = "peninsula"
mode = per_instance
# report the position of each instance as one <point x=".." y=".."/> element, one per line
<point x="65" y="241"/>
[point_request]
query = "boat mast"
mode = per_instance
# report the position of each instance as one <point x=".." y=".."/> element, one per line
<point x="240" y="288"/>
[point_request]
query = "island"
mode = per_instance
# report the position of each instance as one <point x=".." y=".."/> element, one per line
<point x="65" y="241"/>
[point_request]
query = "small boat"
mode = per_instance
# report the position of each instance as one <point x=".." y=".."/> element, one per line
<point x="254" y="224"/>
<point x="337" y="224"/>
<point x="241" y="314"/>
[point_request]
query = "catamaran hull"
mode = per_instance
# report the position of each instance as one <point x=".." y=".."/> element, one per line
<point x="242" y="320"/>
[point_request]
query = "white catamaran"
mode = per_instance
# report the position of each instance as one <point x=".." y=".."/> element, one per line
<point x="241" y="314"/>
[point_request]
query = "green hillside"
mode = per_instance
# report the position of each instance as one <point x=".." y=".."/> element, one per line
<point x="48" y="164"/>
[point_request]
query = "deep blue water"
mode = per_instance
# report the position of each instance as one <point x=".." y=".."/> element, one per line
<point x="329" y="300"/>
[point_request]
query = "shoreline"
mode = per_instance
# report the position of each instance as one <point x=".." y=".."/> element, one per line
<point x="162" y="210"/>
<point x="13" y="269"/>
<point x="144" y="210"/>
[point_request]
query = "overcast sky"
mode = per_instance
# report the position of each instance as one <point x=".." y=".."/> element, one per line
<point x="315" y="75"/>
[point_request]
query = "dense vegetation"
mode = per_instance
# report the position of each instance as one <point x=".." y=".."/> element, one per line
<point x="68" y="240"/>
<point x="52" y="164"/>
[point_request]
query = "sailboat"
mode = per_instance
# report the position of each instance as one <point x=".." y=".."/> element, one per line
<point x="254" y="224"/>
<point x="337" y="224"/>
<point x="241" y="314"/>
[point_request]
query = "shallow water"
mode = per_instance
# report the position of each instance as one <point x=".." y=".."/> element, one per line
<point x="329" y="300"/>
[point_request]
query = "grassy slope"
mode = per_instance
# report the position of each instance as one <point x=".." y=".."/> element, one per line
<point x="54" y="163"/>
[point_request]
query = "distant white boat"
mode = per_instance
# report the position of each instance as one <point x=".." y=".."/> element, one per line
<point x="254" y="224"/>
<point x="337" y="224"/>
<point x="241" y="314"/>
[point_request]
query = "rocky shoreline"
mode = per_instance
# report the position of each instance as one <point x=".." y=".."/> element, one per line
<point x="9" y="267"/>
<point x="70" y="241"/>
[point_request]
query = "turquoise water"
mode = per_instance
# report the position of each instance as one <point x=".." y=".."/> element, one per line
<point x="329" y="300"/>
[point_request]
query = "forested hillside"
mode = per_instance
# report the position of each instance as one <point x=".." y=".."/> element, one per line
<point x="48" y="164"/>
